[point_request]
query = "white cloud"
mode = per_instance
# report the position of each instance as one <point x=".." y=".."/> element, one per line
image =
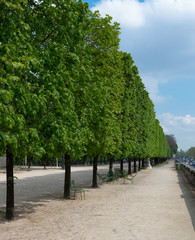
<point x="128" y="13"/>
<point x="160" y="36"/>
<point x="152" y="86"/>
<point x="183" y="127"/>
<point x="187" y="121"/>
<point x="135" y="14"/>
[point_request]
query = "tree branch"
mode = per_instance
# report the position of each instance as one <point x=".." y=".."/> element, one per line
<point x="48" y="36"/>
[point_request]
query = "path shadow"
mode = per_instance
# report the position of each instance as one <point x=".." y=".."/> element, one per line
<point x="24" y="208"/>
<point x="34" y="192"/>
<point x="188" y="194"/>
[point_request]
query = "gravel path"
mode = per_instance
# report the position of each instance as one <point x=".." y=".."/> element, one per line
<point x="158" y="206"/>
<point x="39" y="184"/>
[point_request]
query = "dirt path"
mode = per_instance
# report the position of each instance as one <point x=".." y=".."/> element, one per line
<point x="158" y="206"/>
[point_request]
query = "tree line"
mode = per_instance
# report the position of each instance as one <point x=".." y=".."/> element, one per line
<point x="66" y="89"/>
<point x="190" y="153"/>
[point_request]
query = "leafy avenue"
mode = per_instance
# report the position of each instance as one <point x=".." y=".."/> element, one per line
<point x="67" y="89"/>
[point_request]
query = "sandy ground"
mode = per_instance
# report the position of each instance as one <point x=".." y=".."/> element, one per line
<point x="39" y="171"/>
<point x="158" y="206"/>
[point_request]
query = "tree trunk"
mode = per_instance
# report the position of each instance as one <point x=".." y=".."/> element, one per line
<point x="85" y="160"/>
<point x="94" y="184"/>
<point x="135" y="167"/>
<point x="139" y="166"/>
<point x="67" y="177"/>
<point x="10" y="186"/>
<point x="29" y="161"/>
<point x="129" y="166"/>
<point x="44" y="160"/>
<point x="121" y="165"/>
<point x="111" y="165"/>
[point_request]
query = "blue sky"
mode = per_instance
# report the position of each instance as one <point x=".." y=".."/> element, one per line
<point x="160" y="35"/>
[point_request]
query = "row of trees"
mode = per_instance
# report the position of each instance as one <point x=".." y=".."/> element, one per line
<point x="189" y="153"/>
<point x="66" y="89"/>
<point x="172" y="143"/>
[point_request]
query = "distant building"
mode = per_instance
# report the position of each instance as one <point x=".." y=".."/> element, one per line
<point x="2" y="162"/>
